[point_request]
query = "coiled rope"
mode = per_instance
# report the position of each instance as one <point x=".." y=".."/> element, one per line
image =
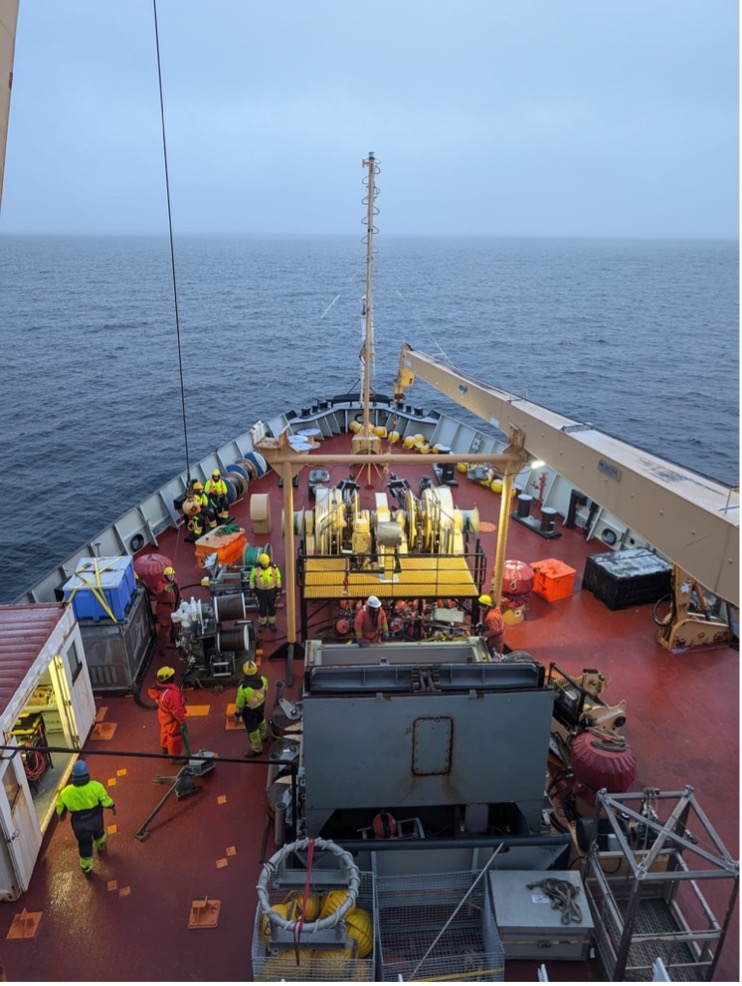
<point x="562" y="895"/>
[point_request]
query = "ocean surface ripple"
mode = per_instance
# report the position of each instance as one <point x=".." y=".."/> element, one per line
<point x="640" y="338"/>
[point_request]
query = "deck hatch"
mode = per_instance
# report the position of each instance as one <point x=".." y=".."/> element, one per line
<point x="432" y="739"/>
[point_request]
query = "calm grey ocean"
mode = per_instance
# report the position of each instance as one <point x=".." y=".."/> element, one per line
<point x="640" y="338"/>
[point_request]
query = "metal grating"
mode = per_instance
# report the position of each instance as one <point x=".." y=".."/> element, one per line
<point x="654" y="920"/>
<point x="310" y="962"/>
<point x="418" y="575"/>
<point x="411" y="913"/>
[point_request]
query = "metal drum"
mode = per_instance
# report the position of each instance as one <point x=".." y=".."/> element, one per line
<point x="234" y="639"/>
<point x="231" y="607"/>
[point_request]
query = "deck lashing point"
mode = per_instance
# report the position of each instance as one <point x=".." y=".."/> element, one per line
<point x="204" y="913"/>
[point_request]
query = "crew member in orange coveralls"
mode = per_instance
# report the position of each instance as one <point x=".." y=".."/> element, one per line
<point x="492" y="625"/>
<point x="171" y="713"/>
<point x="371" y="623"/>
<point x="167" y="600"/>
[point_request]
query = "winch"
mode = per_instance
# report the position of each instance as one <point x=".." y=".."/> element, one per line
<point x="214" y="639"/>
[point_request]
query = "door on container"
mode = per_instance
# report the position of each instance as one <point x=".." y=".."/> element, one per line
<point x="76" y="703"/>
<point x="19" y="827"/>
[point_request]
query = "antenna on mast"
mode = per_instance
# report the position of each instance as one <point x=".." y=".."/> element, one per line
<point x="364" y="440"/>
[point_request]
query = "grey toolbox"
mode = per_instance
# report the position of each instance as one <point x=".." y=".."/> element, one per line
<point x="529" y="927"/>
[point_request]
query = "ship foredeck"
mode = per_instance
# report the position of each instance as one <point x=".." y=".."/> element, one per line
<point x="179" y="904"/>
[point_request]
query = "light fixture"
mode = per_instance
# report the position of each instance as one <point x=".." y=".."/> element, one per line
<point x="536" y="464"/>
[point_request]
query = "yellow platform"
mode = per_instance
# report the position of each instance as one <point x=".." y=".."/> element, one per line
<point x="420" y="576"/>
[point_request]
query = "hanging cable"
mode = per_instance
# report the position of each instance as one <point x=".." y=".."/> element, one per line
<point x="172" y="248"/>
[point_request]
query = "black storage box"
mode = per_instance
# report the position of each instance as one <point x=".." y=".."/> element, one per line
<point x="627" y="578"/>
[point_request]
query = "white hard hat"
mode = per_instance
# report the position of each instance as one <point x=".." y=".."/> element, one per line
<point x="374" y="602"/>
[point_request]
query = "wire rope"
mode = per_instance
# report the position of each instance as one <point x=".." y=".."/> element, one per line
<point x="172" y="246"/>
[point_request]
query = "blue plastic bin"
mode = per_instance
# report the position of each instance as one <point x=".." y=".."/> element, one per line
<point x="97" y="579"/>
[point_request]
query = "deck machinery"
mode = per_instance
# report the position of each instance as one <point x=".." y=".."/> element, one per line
<point x="449" y="743"/>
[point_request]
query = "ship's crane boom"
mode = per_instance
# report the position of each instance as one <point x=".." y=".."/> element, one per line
<point x="691" y="520"/>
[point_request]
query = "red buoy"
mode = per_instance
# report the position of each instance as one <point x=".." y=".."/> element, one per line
<point x="601" y="762"/>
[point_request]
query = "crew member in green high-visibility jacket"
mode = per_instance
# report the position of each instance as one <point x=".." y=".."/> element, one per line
<point x="265" y="581"/>
<point x="250" y="705"/>
<point x="85" y="800"/>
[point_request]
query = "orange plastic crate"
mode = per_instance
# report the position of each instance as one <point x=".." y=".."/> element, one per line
<point x="228" y="548"/>
<point x="552" y="579"/>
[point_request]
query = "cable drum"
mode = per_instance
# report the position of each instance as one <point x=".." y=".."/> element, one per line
<point x="257" y="459"/>
<point x="231" y="489"/>
<point x="252" y="554"/>
<point x="230" y="607"/>
<point x="233" y="639"/>
<point x="239" y="469"/>
<point x="239" y="483"/>
<point x="250" y="468"/>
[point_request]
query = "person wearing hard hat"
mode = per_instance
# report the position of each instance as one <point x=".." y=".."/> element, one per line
<point x="216" y="493"/>
<point x="250" y="707"/>
<point x="202" y="513"/>
<point x="167" y="601"/>
<point x="171" y="714"/>
<point x="371" y="624"/>
<point x="492" y="625"/>
<point x="265" y="582"/>
<point x="85" y="800"/>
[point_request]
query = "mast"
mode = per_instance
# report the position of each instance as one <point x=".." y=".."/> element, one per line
<point x="364" y="440"/>
<point x="8" y="24"/>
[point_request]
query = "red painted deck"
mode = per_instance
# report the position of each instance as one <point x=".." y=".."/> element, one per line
<point x="130" y="921"/>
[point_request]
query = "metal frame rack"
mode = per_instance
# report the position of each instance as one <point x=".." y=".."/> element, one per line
<point x="645" y="890"/>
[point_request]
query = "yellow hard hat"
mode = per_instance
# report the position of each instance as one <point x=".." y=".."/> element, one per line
<point x="169" y="570"/>
<point x="216" y="474"/>
<point x="165" y="673"/>
<point x="249" y="667"/>
<point x="485" y="600"/>
<point x="264" y="559"/>
<point x="198" y="486"/>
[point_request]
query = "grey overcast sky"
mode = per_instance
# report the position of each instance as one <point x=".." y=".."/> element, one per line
<point x="488" y="117"/>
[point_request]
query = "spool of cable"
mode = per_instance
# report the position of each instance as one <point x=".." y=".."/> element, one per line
<point x="260" y="464"/>
<point x="234" y="639"/>
<point x="250" y="468"/>
<point x="231" y="489"/>
<point x="260" y="514"/>
<point x="230" y="607"/>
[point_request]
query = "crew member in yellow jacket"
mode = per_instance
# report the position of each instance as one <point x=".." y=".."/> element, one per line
<point x="250" y="706"/>
<point x="265" y="581"/>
